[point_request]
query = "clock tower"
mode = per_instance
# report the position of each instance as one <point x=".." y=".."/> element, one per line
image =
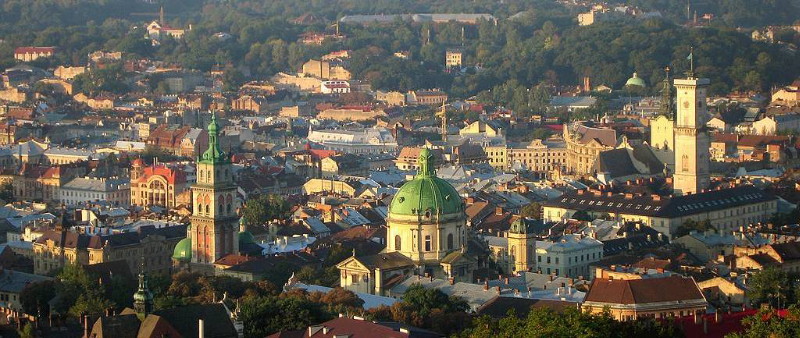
<point x="691" y="136"/>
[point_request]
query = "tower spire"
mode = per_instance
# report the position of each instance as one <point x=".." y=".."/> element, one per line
<point x="666" y="95"/>
<point x="161" y="16"/>
<point x="214" y="154"/>
<point x="143" y="298"/>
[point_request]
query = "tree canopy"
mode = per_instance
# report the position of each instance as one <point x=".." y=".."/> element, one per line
<point x="263" y="208"/>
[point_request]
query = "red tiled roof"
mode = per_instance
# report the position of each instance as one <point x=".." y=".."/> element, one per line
<point x="172" y="175"/>
<point x="728" y="323"/>
<point x="643" y="291"/>
<point x="24" y="50"/>
<point x="606" y="137"/>
<point x="321" y="153"/>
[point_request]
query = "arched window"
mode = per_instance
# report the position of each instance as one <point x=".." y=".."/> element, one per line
<point x="685" y="163"/>
<point x="513" y="251"/>
<point x="228" y="208"/>
<point x="449" y="241"/>
<point x="208" y="210"/>
<point x="427" y="242"/>
<point x="398" y="241"/>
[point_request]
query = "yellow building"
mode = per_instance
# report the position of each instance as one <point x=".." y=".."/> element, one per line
<point x="660" y="298"/>
<point x="317" y="186"/>
<point x="453" y="58"/>
<point x="391" y="98"/>
<point x="149" y="246"/>
<point x="726" y="209"/>
<point x="584" y="145"/>
<point x="14" y="94"/>
<point x="481" y="128"/>
<point x="68" y="73"/>
<point x="539" y="156"/>
<point x="662" y="135"/>
<point x="326" y="70"/>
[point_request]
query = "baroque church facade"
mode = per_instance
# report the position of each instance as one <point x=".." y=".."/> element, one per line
<point x="427" y="235"/>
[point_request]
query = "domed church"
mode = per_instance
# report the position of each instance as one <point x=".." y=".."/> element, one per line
<point x="427" y="235"/>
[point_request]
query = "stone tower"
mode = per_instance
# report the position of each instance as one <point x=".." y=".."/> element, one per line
<point x="214" y="222"/>
<point x="521" y="246"/>
<point x="691" y="136"/>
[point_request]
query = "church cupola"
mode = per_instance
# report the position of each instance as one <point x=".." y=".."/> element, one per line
<point x="143" y="298"/>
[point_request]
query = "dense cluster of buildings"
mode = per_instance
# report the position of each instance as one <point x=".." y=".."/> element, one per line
<point x="656" y="210"/>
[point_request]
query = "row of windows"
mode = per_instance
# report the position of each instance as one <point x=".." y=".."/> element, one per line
<point x="428" y="243"/>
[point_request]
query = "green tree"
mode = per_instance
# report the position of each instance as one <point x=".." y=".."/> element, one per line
<point x="262" y="208"/>
<point x="27" y="331"/>
<point x="692" y="225"/>
<point x="7" y="192"/>
<point x="767" y="323"/>
<point x="771" y="285"/>
<point x="582" y="215"/>
<point x="544" y="322"/>
<point x="533" y="210"/>
<point x="35" y="297"/>
<point x="79" y="292"/>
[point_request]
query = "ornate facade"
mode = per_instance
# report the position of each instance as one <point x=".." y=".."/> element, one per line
<point x="157" y="185"/>
<point x="427" y="233"/>
<point x="584" y="145"/>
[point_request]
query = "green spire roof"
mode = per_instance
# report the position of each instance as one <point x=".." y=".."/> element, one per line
<point x="214" y="154"/>
<point x="426" y="193"/>
<point x="183" y="250"/>
<point x="143" y="298"/>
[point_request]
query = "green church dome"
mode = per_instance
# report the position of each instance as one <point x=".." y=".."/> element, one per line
<point x="426" y="193"/>
<point x="183" y="250"/>
<point x="635" y="81"/>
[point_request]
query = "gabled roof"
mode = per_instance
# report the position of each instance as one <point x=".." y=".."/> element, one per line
<point x="643" y="291"/>
<point x="384" y="261"/>
<point x="185" y="320"/>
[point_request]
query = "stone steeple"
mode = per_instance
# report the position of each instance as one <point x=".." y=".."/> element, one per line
<point x="666" y="96"/>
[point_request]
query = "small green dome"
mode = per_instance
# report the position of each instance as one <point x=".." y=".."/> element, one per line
<point x="245" y="237"/>
<point x="635" y="81"/>
<point x="426" y="193"/>
<point x="183" y="250"/>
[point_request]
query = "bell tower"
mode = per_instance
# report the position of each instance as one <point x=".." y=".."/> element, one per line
<point x="214" y="223"/>
<point x="520" y="247"/>
<point x="691" y="135"/>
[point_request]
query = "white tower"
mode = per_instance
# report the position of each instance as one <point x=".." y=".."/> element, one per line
<point x="691" y="136"/>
